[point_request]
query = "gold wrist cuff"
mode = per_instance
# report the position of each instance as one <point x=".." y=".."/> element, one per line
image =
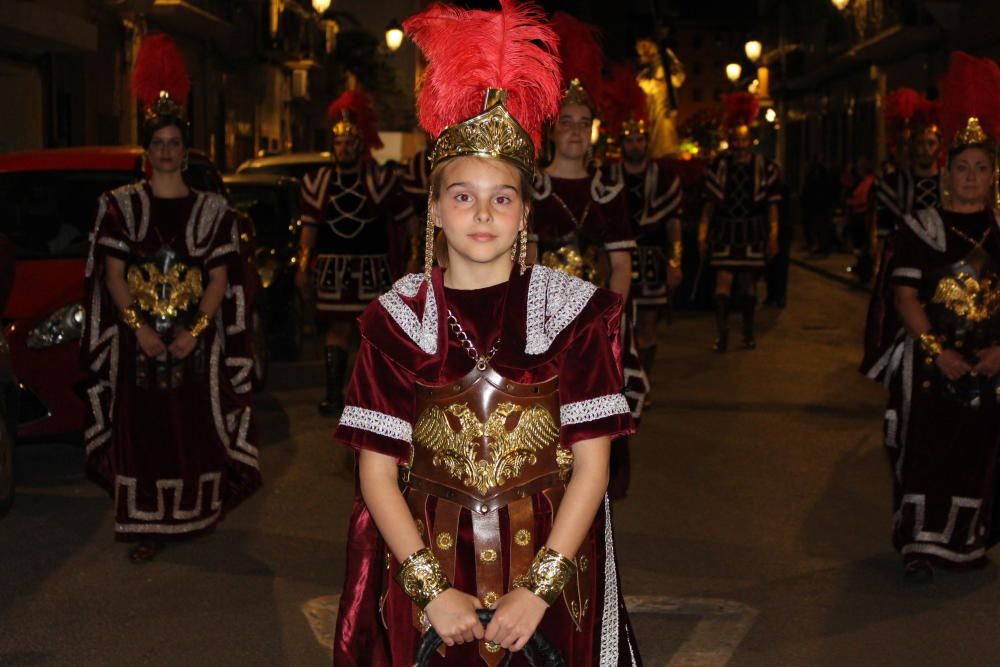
<point x="677" y="256"/>
<point x="547" y="575"/>
<point x="201" y="322"/>
<point x="931" y="344"/>
<point x="422" y="578"/>
<point x="132" y="317"/>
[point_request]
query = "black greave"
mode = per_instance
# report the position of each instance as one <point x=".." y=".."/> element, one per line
<point x="722" y="321"/>
<point x="336" y="367"/>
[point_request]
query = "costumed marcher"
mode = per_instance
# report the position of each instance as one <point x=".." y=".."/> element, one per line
<point x="416" y="183"/>
<point x="738" y="229"/>
<point x="654" y="199"/>
<point x="171" y="430"/>
<point x="357" y="224"/>
<point x="914" y="128"/>
<point x="580" y="220"/>
<point x="483" y="443"/>
<point x="942" y="423"/>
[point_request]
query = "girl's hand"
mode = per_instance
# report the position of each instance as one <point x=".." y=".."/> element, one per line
<point x="453" y="616"/>
<point x="952" y="364"/>
<point x="515" y="619"/>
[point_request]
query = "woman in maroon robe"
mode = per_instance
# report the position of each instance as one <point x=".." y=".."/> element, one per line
<point x="483" y="443"/>
<point x="943" y="418"/>
<point x="171" y="430"/>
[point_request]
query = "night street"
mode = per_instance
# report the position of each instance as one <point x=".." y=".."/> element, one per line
<point x="756" y="534"/>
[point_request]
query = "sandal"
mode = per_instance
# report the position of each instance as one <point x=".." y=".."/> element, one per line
<point x="145" y="551"/>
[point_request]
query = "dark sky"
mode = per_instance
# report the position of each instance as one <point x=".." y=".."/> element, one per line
<point x="624" y="20"/>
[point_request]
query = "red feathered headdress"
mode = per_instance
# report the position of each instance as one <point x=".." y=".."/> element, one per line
<point x="970" y="102"/>
<point x="160" y="78"/>
<point x="740" y="110"/>
<point x="623" y="102"/>
<point x="353" y="113"/>
<point x="927" y="116"/>
<point x="582" y="58"/>
<point x="470" y="53"/>
<point x="900" y="106"/>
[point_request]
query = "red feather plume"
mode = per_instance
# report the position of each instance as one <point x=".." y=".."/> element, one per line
<point x="580" y="51"/>
<point x="927" y="114"/>
<point x="361" y="108"/>
<point x="621" y="98"/>
<point x="740" y="109"/>
<point x="901" y="104"/>
<point x="160" y="66"/>
<point x="970" y="87"/>
<point x="469" y="51"/>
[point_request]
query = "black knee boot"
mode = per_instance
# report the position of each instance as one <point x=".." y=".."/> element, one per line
<point x="336" y="365"/>
<point x="749" y="310"/>
<point x="722" y="322"/>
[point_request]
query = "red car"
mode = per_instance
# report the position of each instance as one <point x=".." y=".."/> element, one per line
<point x="48" y="201"/>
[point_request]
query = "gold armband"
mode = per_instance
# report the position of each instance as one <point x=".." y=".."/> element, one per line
<point x="678" y="255"/>
<point x="200" y="323"/>
<point x="422" y="578"/>
<point x="547" y="575"/>
<point x="132" y="317"/>
<point x="931" y="344"/>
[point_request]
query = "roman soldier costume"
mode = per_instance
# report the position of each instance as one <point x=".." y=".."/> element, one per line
<point x="171" y="440"/>
<point x="653" y="195"/>
<point x="898" y="194"/>
<point x="477" y="393"/>
<point x="742" y="190"/>
<point x="943" y="436"/>
<point x="360" y="213"/>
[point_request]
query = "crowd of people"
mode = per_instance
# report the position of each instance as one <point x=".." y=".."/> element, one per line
<point x="488" y="458"/>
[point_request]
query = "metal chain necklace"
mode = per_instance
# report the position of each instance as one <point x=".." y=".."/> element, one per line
<point x="565" y="207"/>
<point x="974" y="242"/>
<point x="470" y="349"/>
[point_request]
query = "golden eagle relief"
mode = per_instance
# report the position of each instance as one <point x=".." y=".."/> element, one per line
<point x="457" y="452"/>
<point x="969" y="298"/>
<point x="167" y="293"/>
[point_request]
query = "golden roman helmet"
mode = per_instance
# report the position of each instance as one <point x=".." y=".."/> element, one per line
<point x="575" y="93"/>
<point x="633" y="127"/>
<point x="494" y="133"/>
<point x="345" y="126"/>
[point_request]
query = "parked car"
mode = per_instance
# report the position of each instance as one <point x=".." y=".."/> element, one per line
<point x="272" y="202"/>
<point x="48" y="202"/>
<point x="8" y="387"/>
<point x="295" y="165"/>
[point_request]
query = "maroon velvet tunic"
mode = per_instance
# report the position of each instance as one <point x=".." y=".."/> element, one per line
<point x="547" y="323"/>
<point x="944" y="452"/>
<point x="175" y="449"/>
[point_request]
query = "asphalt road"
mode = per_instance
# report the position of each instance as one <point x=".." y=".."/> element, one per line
<point x="756" y="534"/>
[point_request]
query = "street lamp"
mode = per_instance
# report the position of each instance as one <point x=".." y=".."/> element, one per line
<point x="321" y="5"/>
<point x="394" y="36"/>
<point x="733" y="71"/>
<point x="840" y="4"/>
<point x="753" y="49"/>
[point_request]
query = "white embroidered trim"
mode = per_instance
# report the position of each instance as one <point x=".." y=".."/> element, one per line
<point x="554" y="300"/>
<point x="903" y="272"/>
<point x="602" y="192"/>
<point x="593" y="409"/>
<point x="422" y="332"/>
<point x="929" y="226"/>
<point x="619" y="245"/>
<point x="377" y="422"/>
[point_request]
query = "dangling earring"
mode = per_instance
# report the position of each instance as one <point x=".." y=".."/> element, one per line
<point x="429" y="238"/>
<point x="523" y="258"/>
<point x="945" y="193"/>
<point x="184" y="164"/>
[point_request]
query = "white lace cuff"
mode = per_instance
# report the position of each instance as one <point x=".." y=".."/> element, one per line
<point x="377" y="422"/>
<point x="593" y="409"/>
